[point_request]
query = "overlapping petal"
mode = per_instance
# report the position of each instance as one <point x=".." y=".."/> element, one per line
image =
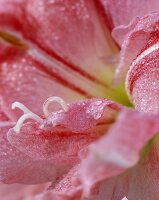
<point x="138" y="182"/>
<point x="64" y="134"/>
<point x="133" y="40"/>
<point x="108" y="169"/>
<point x="143" y="76"/>
<point x="139" y="61"/>
<point x="119" y="149"/>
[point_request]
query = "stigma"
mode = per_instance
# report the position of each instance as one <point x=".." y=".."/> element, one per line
<point x="28" y="114"/>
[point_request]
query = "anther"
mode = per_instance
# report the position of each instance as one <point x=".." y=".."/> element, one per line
<point x="27" y="115"/>
<point x="51" y="100"/>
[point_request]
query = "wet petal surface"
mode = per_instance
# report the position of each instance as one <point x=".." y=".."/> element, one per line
<point x="64" y="134"/>
<point x="120" y="148"/>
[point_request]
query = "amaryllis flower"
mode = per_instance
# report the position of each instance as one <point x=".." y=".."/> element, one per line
<point x="67" y="129"/>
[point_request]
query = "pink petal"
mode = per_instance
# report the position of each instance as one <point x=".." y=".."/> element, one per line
<point x="74" y="33"/>
<point x="144" y="178"/>
<point x="17" y="167"/>
<point x="70" y="32"/>
<point x="20" y="192"/>
<point x="65" y="133"/>
<point x="119" y="149"/>
<point x="138" y="182"/>
<point x="133" y="40"/>
<point x="21" y="78"/>
<point x="143" y="83"/>
<point x="69" y="188"/>
<point x="121" y="12"/>
<point x="142" y="78"/>
<point x="22" y="73"/>
<point x="66" y="189"/>
<point x="10" y="13"/>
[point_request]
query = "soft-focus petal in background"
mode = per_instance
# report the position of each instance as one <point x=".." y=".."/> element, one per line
<point x="65" y="48"/>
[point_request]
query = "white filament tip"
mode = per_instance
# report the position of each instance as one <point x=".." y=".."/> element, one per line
<point x="20" y="106"/>
<point x="27" y="115"/>
<point x="51" y="100"/>
<point x="24" y="117"/>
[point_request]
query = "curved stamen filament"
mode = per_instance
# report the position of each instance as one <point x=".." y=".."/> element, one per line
<point x="20" y="106"/>
<point x="51" y="100"/>
<point x="27" y="115"/>
<point x="24" y="117"/>
<point x="30" y="115"/>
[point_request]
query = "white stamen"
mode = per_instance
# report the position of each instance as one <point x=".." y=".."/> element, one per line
<point x="27" y="115"/>
<point x="21" y="107"/>
<point x="30" y="115"/>
<point x="51" y="100"/>
<point x="24" y="117"/>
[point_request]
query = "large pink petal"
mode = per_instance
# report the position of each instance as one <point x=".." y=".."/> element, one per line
<point x="65" y="133"/>
<point x="119" y="149"/>
<point x="75" y="33"/>
<point x="24" y="80"/>
<point x="17" y="167"/>
<point x="71" y="32"/>
<point x="121" y="12"/>
<point x="25" y="72"/>
<point x="63" y="67"/>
